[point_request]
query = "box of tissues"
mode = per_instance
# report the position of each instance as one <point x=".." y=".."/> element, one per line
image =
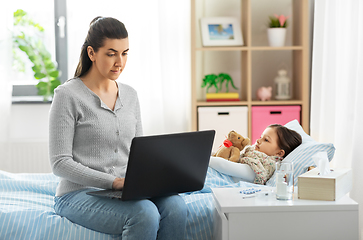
<point x="323" y="183"/>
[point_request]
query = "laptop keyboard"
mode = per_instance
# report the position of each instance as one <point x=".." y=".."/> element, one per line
<point x="115" y="194"/>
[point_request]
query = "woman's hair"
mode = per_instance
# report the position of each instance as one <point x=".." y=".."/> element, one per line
<point x="288" y="139"/>
<point x="101" y="28"/>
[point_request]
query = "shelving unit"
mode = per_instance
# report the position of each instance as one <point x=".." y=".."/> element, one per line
<point x="254" y="64"/>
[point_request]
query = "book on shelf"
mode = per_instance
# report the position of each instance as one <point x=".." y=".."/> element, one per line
<point x="223" y="96"/>
<point x="222" y="99"/>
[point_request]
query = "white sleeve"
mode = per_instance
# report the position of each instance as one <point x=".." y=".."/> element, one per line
<point x="233" y="169"/>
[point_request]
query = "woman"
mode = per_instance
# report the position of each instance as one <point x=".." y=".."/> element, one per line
<point x="93" y="119"/>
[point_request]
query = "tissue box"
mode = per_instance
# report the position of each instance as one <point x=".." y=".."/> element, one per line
<point x="329" y="187"/>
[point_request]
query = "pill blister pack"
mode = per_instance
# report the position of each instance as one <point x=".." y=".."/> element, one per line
<point x="259" y="193"/>
<point x="249" y="192"/>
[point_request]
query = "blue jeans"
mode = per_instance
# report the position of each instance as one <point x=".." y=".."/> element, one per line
<point x="157" y="218"/>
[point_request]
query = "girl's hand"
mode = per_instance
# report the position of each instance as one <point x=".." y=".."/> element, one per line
<point x="118" y="183"/>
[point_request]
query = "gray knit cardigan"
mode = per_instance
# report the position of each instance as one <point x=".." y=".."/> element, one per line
<point x="88" y="142"/>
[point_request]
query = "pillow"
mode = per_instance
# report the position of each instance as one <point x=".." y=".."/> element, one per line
<point x="302" y="155"/>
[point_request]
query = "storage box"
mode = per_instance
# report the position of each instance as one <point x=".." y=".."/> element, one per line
<point x="263" y="116"/>
<point x="223" y="120"/>
<point x="329" y="187"/>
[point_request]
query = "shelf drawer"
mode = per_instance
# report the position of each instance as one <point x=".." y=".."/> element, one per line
<point x="263" y="116"/>
<point x="223" y="120"/>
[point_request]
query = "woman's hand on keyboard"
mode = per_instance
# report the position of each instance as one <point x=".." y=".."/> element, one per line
<point x="118" y="183"/>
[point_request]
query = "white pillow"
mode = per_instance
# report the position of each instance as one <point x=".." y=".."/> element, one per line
<point x="302" y="155"/>
<point x="242" y="171"/>
<point x="295" y="125"/>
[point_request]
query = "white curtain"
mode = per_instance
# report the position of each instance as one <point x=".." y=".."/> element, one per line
<point x="337" y="85"/>
<point x="158" y="65"/>
<point x="5" y="85"/>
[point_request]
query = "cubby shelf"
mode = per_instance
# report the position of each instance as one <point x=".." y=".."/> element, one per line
<point x="249" y="69"/>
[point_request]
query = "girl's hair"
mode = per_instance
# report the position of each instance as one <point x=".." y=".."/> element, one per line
<point x="101" y="28"/>
<point x="288" y="139"/>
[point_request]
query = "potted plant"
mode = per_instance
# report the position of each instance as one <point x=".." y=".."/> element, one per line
<point x="276" y="32"/>
<point x="27" y="38"/>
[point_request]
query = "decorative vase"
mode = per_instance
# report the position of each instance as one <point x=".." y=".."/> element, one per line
<point x="276" y="36"/>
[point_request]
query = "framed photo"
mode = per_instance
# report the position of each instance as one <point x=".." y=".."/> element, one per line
<point x="221" y="31"/>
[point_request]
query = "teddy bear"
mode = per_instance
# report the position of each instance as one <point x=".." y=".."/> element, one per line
<point x="232" y="146"/>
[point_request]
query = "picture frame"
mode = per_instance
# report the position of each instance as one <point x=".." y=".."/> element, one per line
<point x="221" y="31"/>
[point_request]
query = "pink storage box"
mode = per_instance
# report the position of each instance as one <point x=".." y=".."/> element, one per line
<point x="263" y="116"/>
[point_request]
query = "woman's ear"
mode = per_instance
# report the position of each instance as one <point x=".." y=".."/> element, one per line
<point x="281" y="153"/>
<point x="91" y="53"/>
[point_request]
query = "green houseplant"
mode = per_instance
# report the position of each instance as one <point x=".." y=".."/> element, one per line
<point x="277" y="21"/>
<point x="276" y="32"/>
<point x="44" y="69"/>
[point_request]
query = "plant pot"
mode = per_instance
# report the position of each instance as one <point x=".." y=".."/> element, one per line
<point x="276" y="36"/>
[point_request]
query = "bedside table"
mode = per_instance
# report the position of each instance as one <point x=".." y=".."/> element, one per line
<point x="264" y="217"/>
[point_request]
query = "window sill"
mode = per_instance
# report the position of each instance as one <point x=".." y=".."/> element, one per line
<point x="29" y="100"/>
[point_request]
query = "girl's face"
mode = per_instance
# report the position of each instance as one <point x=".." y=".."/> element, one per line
<point x="268" y="143"/>
<point x="110" y="60"/>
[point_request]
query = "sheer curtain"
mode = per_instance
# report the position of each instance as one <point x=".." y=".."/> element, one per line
<point x="337" y="84"/>
<point x="158" y="65"/>
<point x="5" y="85"/>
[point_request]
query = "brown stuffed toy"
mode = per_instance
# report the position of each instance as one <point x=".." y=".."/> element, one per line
<point x="232" y="147"/>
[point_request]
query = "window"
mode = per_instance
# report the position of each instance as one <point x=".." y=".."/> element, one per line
<point x="52" y="17"/>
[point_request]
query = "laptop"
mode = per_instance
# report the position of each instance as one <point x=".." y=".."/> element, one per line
<point x="164" y="165"/>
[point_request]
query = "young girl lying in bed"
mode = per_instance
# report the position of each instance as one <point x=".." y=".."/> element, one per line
<point x="276" y="142"/>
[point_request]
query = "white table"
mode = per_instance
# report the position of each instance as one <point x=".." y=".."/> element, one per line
<point x="264" y="217"/>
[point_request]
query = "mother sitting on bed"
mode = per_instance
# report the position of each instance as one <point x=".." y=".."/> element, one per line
<point x="92" y="121"/>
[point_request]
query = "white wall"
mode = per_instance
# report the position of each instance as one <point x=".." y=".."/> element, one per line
<point x="29" y="125"/>
<point x="29" y="139"/>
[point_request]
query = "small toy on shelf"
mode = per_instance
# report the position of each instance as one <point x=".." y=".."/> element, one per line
<point x="264" y="93"/>
<point x="217" y="81"/>
<point x="225" y="77"/>
<point x="209" y="81"/>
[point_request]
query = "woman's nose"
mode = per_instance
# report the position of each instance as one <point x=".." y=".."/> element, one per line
<point x="118" y="62"/>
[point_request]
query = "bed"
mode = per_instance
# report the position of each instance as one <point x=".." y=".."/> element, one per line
<point x="26" y="209"/>
<point x="26" y="200"/>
